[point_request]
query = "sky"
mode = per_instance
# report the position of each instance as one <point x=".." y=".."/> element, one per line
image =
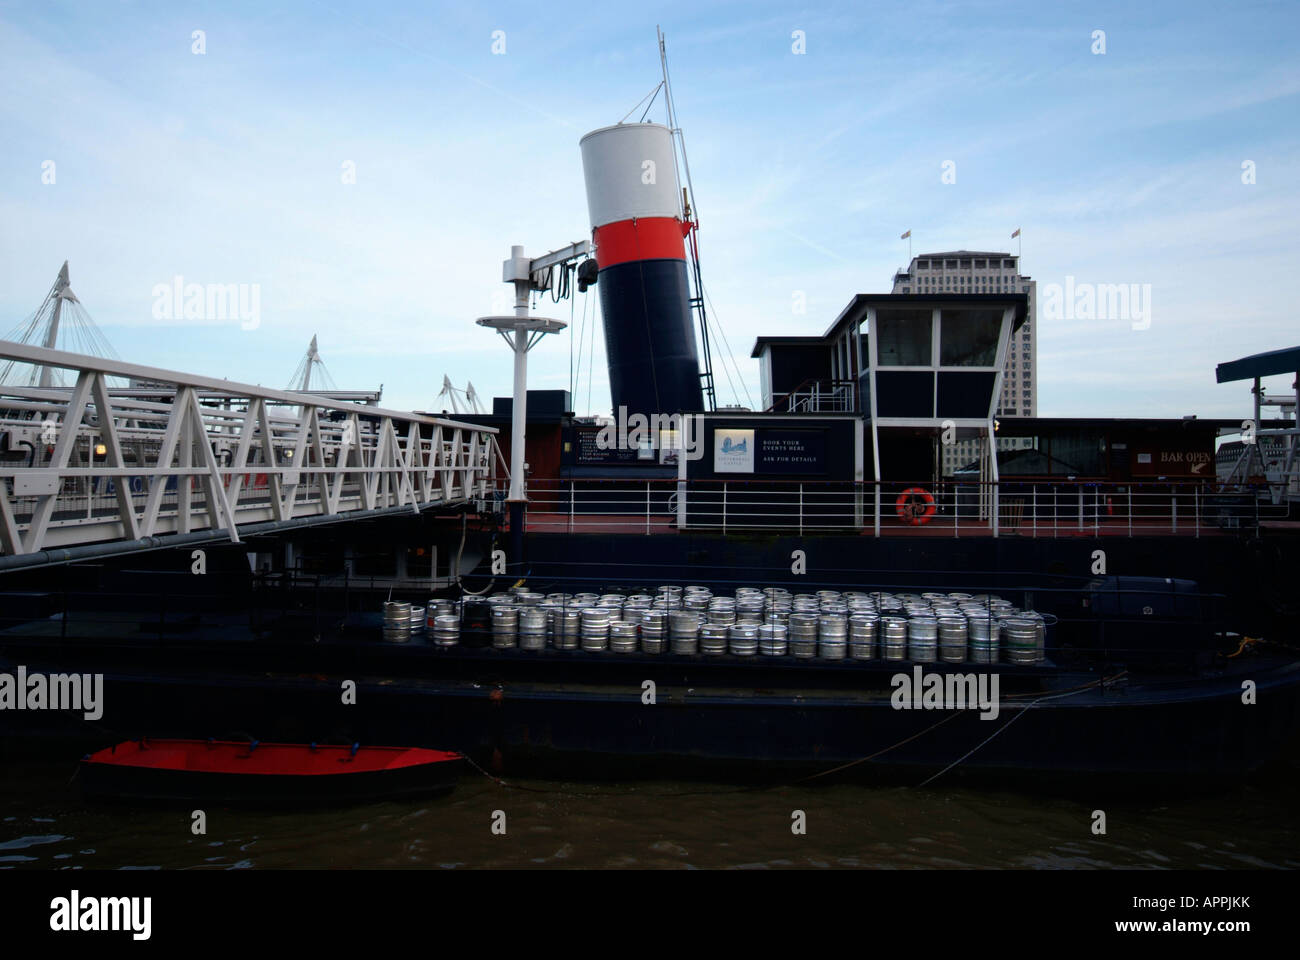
<point x="816" y="136"/>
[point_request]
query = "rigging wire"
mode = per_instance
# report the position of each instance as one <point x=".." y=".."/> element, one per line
<point x="582" y="349"/>
<point x="572" y="303"/>
<point x="77" y="333"/>
<point x="318" y="368"/>
<point x="682" y="164"/>
<point x="582" y="334"/>
<point x="591" y="361"/>
<point x="652" y="94"/>
<point x="725" y="372"/>
<point x="651" y="103"/>
<point x="717" y="348"/>
<point x="1102" y="681"/>
<point x="718" y="325"/>
<point x="833" y="770"/>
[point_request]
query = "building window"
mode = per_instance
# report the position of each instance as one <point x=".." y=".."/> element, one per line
<point x="969" y="338"/>
<point x="903" y="338"/>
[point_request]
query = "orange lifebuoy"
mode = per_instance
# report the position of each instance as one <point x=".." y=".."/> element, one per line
<point x="915" y="505"/>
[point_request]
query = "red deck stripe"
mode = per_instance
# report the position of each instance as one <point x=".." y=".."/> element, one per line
<point x="648" y="238"/>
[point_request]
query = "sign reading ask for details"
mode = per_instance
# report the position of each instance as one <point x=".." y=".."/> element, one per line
<point x="769" y="451"/>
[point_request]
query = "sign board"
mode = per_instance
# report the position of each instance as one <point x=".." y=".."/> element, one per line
<point x="1174" y="463"/>
<point x="791" y="451"/>
<point x="588" y="448"/>
<point x="733" y="451"/>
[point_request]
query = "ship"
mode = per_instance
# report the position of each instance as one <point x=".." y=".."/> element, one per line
<point x="797" y="591"/>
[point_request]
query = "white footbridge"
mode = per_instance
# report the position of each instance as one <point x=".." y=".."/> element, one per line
<point x="143" y="457"/>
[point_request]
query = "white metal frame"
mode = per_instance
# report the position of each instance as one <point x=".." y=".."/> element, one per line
<point x="194" y="451"/>
<point x="985" y="424"/>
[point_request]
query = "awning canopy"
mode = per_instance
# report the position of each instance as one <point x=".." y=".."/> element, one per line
<point x="1269" y="364"/>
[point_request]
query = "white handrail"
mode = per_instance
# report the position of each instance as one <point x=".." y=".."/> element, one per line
<point x="195" y="448"/>
<point x="803" y="507"/>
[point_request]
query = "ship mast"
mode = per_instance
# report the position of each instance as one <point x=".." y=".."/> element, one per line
<point x="697" y="298"/>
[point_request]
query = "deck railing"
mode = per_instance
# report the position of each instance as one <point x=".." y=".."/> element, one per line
<point x="953" y="508"/>
<point x="818" y="396"/>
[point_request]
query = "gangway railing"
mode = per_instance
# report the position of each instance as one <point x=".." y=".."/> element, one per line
<point x="99" y="461"/>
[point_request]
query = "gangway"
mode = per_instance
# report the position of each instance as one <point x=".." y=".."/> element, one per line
<point x="96" y="462"/>
<point x="1284" y="484"/>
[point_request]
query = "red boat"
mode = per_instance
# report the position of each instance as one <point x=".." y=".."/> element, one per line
<point x="251" y="770"/>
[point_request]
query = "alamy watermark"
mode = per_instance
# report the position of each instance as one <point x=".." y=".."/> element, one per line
<point x="208" y="302"/>
<point x="1096" y="301"/>
<point x="75" y="913"/>
<point x="667" y="432"/>
<point x="56" y="691"/>
<point x="952" y="691"/>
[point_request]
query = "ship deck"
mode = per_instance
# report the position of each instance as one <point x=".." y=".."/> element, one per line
<point x="538" y="521"/>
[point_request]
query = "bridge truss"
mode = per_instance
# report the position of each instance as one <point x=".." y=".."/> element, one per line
<point x="131" y="453"/>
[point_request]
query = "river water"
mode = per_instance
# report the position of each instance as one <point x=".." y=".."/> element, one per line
<point x="45" y="824"/>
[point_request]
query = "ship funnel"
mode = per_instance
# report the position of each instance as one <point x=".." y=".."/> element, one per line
<point x="637" y="232"/>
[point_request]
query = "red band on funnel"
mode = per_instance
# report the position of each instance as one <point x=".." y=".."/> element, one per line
<point x="649" y="238"/>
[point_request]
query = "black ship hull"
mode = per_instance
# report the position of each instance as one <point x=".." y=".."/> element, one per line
<point x="518" y="712"/>
<point x="276" y="662"/>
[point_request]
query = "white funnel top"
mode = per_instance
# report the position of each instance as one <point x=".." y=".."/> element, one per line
<point x="630" y="170"/>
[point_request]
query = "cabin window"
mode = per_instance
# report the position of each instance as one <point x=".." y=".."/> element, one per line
<point x="969" y="338"/>
<point x="903" y="338"/>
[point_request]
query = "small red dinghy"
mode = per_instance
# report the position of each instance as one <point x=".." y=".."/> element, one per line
<point x="239" y="770"/>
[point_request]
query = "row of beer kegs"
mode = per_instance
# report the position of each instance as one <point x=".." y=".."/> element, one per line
<point x="750" y="621"/>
